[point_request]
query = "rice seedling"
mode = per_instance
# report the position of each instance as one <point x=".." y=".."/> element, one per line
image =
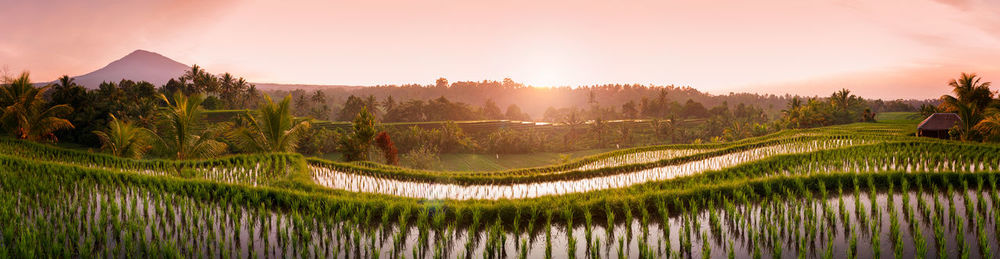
<point x="706" y="248"/>
<point x="757" y="208"/>
<point x="621" y="249"/>
<point x="570" y="239"/>
<point x="664" y="211"/>
<point x="548" y="234"/>
<point x="984" y="240"/>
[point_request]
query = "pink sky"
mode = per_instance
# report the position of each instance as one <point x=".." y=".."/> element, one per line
<point x="885" y="48"/>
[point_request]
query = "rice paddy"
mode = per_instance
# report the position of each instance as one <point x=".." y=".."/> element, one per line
<point x="855" y="191"/>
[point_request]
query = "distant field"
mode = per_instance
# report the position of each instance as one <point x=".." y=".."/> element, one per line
<point x="899" y="117"/>
<point x="483" y="162"/>
<point x="493" y="162"/>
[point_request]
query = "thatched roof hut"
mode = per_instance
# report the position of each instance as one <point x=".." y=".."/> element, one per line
<point x="937" y="125"/>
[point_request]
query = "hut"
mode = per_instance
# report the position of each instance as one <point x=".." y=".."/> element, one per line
<point x="937" y="125"/>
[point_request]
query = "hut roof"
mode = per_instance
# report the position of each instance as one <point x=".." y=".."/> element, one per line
<point x="939" y="121"/>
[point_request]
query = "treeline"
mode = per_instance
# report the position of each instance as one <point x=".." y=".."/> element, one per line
<point x="840" y="108"/>
<point x="517" y="101"/>
<point x="137" y="102"/>
<point x="444" y="109"/>
<point x="168" y="122"/>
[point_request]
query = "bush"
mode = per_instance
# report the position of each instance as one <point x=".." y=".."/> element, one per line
<point x="422" y="157"/>
<point x="189" y="173"/>
<point x="319" y="140"/>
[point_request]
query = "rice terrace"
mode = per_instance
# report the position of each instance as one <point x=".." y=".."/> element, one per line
<point x="893" y="154"/>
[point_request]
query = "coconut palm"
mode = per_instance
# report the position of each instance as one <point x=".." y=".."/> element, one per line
<point x="201" y="81"/>
<point x="66" y="82"/>
<point x="27" y="115"/>
<point x="184" y="135"/>
<point x="970" y="100"/>
<point x="125" y="139"/>
<point x="272" y="128"/>
<point x="968" y="89"/>
<point x="967" y="111"/>
<point x="841" y="100"/>
<point x="989" y="126"/>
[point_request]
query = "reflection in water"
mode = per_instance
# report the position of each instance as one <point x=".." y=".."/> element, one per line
<point x="114" y="221"/>
<point x="427" y="190"/>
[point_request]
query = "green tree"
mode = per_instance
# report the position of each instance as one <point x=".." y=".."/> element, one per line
<point x="491" y="111"/>
<point x="272" y="128"/>
<point x="441" y="82"/>
<point x="352" y="107"/>
<point x="124" y="139"/>
<point x="201" y="81"/>
<point x="321" y="110"/>
<point x="629" y="110"/>
<point x="184" y="135"/>
<point x="970" y="100"/>
<point x="514" y="113"/>
<point x="26" y="114"/>
<point x="846" y="106"/>
<point x="600" y="128"/>
<point x="989" y="126"/>
<point x="356" y="144"/>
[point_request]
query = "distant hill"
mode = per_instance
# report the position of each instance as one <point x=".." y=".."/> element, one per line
<point x="140" y="65"/>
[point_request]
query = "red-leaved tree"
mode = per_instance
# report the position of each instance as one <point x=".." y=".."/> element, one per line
<point x="389" y="150"/>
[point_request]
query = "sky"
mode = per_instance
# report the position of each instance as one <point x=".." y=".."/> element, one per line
<point x="879" y="49"/>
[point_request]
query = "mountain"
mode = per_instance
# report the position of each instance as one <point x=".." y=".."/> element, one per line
<point x="140" y="65"/>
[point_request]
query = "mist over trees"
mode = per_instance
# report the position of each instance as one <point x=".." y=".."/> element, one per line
<point x="507" y="99"/>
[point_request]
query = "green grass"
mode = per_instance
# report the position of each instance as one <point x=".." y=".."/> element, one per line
<point x="899" y="117"/>
<point x="484" y="162"/>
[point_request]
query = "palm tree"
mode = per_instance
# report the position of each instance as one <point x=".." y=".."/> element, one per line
<point x="841" y="100"/>
<point x="125" y="139"/>
<point x="989" y="126"/>
<point x="969" y="114"/>
<point x="201" y="81"/>
<point x="971" y="98"/>
<point x="27" y="115"/>
<point x="271" y="129"/>
<point x="250" y="95"/>
<point x="968" y="89"/>
<point x="600" y="129"/>
<point x="66" y="82"/>
<point x="184" y="134"/>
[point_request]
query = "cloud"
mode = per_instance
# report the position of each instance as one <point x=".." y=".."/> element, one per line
<point x="960" y="4"/>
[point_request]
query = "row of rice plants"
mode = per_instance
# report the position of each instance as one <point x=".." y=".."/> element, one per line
<point x="364" y="182"/>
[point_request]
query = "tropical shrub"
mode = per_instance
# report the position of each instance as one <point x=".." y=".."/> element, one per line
<point x="125" y="139"/>
<point x="27" y="115"/>
<point x="272" y="128"/>
<point x="183" y="133"/>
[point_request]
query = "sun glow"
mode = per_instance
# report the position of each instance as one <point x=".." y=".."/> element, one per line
<point x="550" y="65"/>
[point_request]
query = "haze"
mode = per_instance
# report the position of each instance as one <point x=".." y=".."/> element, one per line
<point x="880" y="49"/>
